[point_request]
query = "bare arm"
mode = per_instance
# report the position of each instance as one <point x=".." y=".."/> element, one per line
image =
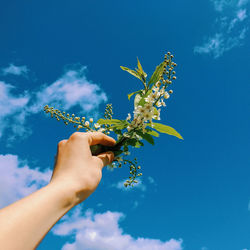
<point x="76" y="175"/>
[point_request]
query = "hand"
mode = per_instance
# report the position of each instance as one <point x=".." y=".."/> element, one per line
<point x="76" y="169"/>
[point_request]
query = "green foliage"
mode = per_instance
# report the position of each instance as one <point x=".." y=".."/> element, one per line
<point x="132" y="72"/>
<point x="157" y="74"/>
<point x="152" y="132"/>
<point x="137" y="100"/>
<point x="166" y="129"/>
<point x="118" y="124"/>
<point x="131" y="94"/>
<point x="140" y="71"/>
<point x="131" y="132"/>
<point x="146" y="136"/>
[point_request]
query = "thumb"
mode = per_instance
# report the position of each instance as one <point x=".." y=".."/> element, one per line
<point x="105" y="158"/>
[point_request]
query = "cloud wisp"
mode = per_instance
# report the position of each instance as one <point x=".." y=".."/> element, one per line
<point x="15" y="70"/>
<point x="102" y="231"/>
<point x="13" y="109"/>
<point x="138" y="186"/>
<point x="18" y="180"/>
<point x="231" y="28"/>
<point x="72" y="89"/>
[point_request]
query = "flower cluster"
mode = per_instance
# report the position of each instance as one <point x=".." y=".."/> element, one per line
<point x="154" y="98"/>
<point x="132" y="132"/>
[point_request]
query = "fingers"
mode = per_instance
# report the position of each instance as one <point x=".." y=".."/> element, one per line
<point x="105" y="158"/>
<point x="100" y="138"/>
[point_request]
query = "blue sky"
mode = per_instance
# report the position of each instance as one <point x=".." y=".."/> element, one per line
<point x="194" y="194"/>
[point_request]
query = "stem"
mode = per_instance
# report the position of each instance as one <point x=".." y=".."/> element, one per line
<point x="98" y="149"/>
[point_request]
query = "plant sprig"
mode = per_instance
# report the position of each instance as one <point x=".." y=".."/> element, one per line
<point x="132" y="131"/>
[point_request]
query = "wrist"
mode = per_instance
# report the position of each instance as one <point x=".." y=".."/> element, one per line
<point x="65" y="194"/>
<point x="69" y="194"/>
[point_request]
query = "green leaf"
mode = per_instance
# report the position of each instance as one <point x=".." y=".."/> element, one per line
<point x="132" y="72"/>
<point x="141" y="71"/>
<point x="108" y="121"/>
<point x="142" y="100"/>
<point x="131" y="142"/>
<point x="146" y="137"/>
<point x="131" y="94"/>
<point x="137" y="100"/>
<point x="118" y="124"/>
<point x="156" y="75"/>
<point x="138" y="144"/>
<point x="152" y="132"/>
<point x="166" y="129"/>
<point x="118" y="152"/>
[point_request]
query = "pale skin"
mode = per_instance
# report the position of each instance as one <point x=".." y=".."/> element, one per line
<point x="76" y="175"/>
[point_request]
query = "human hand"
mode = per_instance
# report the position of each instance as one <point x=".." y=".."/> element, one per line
<point x="76" y="171"/>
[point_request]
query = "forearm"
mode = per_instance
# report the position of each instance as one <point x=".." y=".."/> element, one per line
<point x="24" y="223"/>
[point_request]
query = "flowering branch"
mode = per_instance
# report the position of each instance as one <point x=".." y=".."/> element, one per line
<point x="132" y="131"/>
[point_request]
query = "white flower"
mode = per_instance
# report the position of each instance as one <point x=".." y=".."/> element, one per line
<point x="155" y="95"/>
<point x="128" y="117"/>
<point x="158" y="104"/>
<point x="86" y="123"/>
<point x="97" y="125"/>
<point x="137" y="109"/>
<point x="155" y="89"/>
<point x="166" y="95"/>
<point x="149" y="99"/>
<point x="147" y="116"/>
<point x="91" y="120"/>
<point x="138" y="121"/>
<point x="148" y="106"/>
<point x="79" y="127"/>
<point x="158" y="84"/>
<point x="157" y="115"/>
<point x="163" y="103"/>
<point x="101" y="129"/>
<point x="129" y="128"/>
<point x="162" y="91"/>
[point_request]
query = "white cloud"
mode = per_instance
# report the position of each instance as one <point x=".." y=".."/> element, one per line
<point x="214" y="45"/>
<point x="12" y="109"/>
<point x="242" y="2"/>
<point x="15" y="70"/>
<point x="204" y="248"/>
<point x="17" y="179"/>
<point x="151" y="180"/>
<point x="231" y="28"/>
<point x="241" y="14"/>
<point x="220" y="5"/>
<point x="218" y="44"/>
<point x="102" y="232"/>
<point x="135" y="205"/>
<point x="139" y="185"/>
<point x="70" y="90"/>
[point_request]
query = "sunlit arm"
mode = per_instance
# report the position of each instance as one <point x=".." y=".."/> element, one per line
<point x="76" y="175"/>
<point x="24" y="223"/>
